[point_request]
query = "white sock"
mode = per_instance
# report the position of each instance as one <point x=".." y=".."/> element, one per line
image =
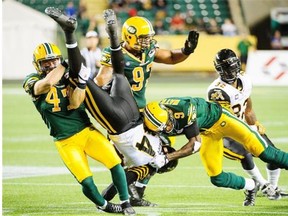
<point x="139" y="184"/>
<point x="249" y="184"/>
<point x="273" y="176"/>
<point x="255" y="174"/>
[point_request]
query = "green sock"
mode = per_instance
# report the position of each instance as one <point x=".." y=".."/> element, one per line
<point x="229" y="180"/>
<point x="119" y="180"/>
<point x="91" y="192"/>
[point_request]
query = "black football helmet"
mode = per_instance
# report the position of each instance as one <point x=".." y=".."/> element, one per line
<point x="228" y="65"/>
<point x="171" y="165"/>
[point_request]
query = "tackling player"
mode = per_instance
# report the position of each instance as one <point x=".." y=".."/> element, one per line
<point x="74" y="135"/>
<point x="194" y="117"/>
<point x="233" y="89"/>
<point x="140" y="50"/>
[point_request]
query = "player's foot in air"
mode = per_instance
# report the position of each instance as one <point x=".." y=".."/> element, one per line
<point x="68" y="24"/>
<point x="111" y="22"/>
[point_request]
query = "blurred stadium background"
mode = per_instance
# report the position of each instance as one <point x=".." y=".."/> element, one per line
<point x="254" y="19"/>
<point x="35" y="182"/>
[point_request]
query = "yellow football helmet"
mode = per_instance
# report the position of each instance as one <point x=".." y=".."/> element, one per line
<point x="156" y="116"/>
<point x="138" y="33"/>
<point x="45" y="52"/>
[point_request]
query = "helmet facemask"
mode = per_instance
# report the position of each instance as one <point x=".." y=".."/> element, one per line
<point x="228" y="69"/>
<point x="144" y="42"/>
<point x="47" y="65"/>
<point x="170" y="124"/>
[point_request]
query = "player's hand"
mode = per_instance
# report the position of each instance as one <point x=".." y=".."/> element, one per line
<point x="159" y="161"/>
<point x="260" y="128"/>
<point x="191" y="43"/>
<point x="83" y="76"/>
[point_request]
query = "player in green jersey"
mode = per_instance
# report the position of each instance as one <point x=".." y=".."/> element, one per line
<point x="193" y="117"/>
<point x="140" y="50"/>
<point x="74" y="135"/>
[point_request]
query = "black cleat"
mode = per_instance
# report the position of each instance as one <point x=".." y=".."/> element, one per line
<point x="68" y="24"/>
<point x="111" y="208"/>
<point x="127" y="209"/>
<point x="141" y="202"/>
<point x="250" y="196"/>
<point x="111" y="21"/>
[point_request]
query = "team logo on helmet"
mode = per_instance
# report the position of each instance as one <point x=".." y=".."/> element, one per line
<point x="132" y="30"/>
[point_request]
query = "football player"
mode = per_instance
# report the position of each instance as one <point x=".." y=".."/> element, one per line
<point x="196" y="116"/>
<point x="117" y="110"/>
<point x="140" y="50"/>
<point x="74" y="135"/>
<point x="232" y="89"/>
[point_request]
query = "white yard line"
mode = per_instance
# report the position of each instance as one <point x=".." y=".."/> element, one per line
<point x="13" y="172"/>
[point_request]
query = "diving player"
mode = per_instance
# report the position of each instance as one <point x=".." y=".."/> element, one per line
<point x="193" y="117"/>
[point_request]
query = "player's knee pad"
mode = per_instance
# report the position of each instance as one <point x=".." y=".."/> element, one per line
<point x="275" y="156"/>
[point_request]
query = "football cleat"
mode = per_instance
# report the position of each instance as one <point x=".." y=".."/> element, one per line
<point x="269" y="191"/>
<point x="68" y="24"/>
<point x="111" y="208"/>
<point x="141" y="202"/>
<point x="250" y="196"/>
<point x="127" y="209"/>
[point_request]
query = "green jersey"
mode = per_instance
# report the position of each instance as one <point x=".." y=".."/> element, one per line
<point x="52" y="106"/>
<point x="136" y="71"/>
<point x="187" y="110"/>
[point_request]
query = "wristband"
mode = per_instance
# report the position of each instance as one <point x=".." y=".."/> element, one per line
<point x="64" y="64"/>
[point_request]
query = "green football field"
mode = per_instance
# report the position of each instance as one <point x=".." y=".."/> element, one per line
<point x="35" y="181"/>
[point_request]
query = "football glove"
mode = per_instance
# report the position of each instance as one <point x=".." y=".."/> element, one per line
<point x="83" y="77"/>
<point x="159" y="161"/>
<point x="260" y="128"/>
<point x="191" y="43"/>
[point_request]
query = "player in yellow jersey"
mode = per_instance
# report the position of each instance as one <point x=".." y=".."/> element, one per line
<point x="75" y="136"/>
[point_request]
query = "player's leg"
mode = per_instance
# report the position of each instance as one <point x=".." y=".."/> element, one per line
<point x="74" y="157"/>
<point x="235" y="151"/>
<point x="273" y="173"/>
<point x="253" y="141"/>
<point x="211" y="154"/>
<point x="100" y="149"/>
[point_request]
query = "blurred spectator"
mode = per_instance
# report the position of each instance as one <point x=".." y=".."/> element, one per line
<point x="243" y="48"/>
<point x="159" y="27"/>
<point x="92" y="53"/>
<point x="276" y="41"/>
<point x="160" y="4"/>
<point x="200" y="24"/>
<point x="228" y="28"/>
<point x="178" y="24"/>
<point x="213" y="28"/>
<point x="83" y="19"/>
<point x="70" y="9"/>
